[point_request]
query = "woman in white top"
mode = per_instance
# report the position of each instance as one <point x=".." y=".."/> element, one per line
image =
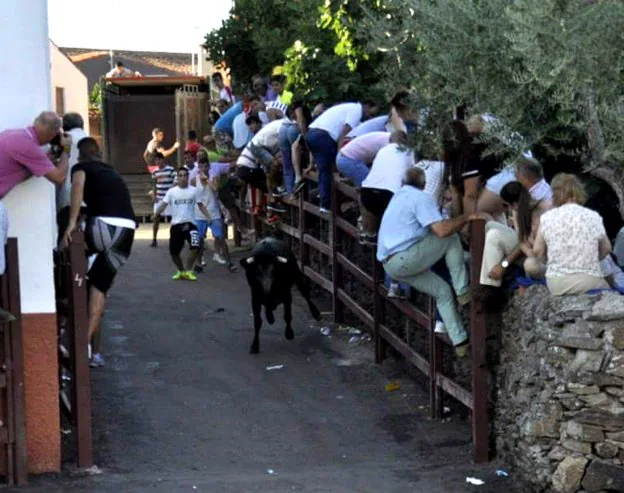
<point x="573" y="239"/>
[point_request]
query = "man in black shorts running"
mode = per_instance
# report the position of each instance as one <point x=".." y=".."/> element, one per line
<point x="181" y="202"/>
<point x="110" y="229"/>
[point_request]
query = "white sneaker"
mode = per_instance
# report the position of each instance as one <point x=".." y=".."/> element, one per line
<point x="97" y="361"/>
<point x="440" y="328"/>
<point x="395" y="291"/>
<point x="219" y="259"/>
<point x="324" y="211"/>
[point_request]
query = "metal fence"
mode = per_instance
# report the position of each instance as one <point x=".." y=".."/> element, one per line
<point x="72" y="316"/>
<point x="327" y="240"/>
<point x="12" y="407"/>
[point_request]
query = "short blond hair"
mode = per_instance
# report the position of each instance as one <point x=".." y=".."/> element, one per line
<point x="568" y="188"/>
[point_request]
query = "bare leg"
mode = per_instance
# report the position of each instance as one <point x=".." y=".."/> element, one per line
<point x="97" y="299"/>
<point x="155" y="228"/>
<point x="178" y="262"/>
<point x="191" y="259"/>
<point x="295" y="152"/>
<point x="223" y="249"/>
<point x="369" y="221"/>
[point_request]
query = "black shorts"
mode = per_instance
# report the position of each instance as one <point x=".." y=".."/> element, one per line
<point x="111" y="246"/>
<point x="254" y="177"/>
<point x="375" y="200"/>
<point x="181" y="233"/>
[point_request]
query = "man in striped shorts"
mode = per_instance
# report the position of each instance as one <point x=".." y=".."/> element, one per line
<point x="164" y="179"/>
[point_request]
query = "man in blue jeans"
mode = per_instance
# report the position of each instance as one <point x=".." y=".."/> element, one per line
<point x="325" y="138"/>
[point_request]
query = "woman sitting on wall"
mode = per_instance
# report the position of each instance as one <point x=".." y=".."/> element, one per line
<point x="573" y="239"/>
<point x="504" y="245"/>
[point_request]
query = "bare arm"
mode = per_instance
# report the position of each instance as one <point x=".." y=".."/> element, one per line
<point x="170" y="151"/>
<point x="59" y="173"/>
<point x="539" y="246"/>
<point x="471" y="194"/>
<point x="604" y="247"/>
<point x="161" y="208"/>
<point x="445" y="228"/>
<point x="345" y="130"/>
<point x="301" y="121"/>
<point x="77" y="194"/>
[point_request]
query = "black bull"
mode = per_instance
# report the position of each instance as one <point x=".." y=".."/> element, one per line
<point x="271" y="270"/>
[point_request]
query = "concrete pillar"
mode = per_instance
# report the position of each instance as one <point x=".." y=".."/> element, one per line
<point x="24" y="92"/>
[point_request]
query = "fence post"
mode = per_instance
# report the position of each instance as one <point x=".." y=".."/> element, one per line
<point x="336" y="270"/>
<point x="81" y="391"/>
<point x="378" y="310"/>
<point x="480" y="422"/>
<point x="15" y="352"/>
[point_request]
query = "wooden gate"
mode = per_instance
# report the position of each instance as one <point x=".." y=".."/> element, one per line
<point x="12" y="410"/>
<point x="192" y="109"/>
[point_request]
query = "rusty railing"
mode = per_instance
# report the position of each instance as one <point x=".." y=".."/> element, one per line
<point x="12" y="406"/>
<point x="72" y="311"/>
<point x="326" y="237"/>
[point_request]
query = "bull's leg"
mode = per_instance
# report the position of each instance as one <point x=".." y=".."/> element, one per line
<point x="269" y="315"/>
<point x="289" y="334"/>
<point x="303" y="288"/>
<point x="256" y="308"/>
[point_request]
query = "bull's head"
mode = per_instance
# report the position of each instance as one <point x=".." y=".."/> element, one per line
<point x="261" y="272"/>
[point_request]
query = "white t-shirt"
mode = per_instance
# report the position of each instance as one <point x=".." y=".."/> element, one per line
<point x="335" y="118"/>
<point x="434" y="174"/>
<point x="207" y="196"/>
<point x="389" y="167"/>
<point x="181" y="202"/>
<point x="226" y="94"/>
<point x="268" y="136"/>
<point x="63" y="193"/>
<point x="366" y="147"/>
<point x="377" y="124"/>
<point x="242" y="134"/>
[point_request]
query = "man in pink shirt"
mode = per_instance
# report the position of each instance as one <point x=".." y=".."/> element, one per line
<point x="21" y="155"/>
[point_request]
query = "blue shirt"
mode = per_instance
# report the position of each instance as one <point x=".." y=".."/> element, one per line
<point x="406" y="221"/>
<point x="224" y="124"/>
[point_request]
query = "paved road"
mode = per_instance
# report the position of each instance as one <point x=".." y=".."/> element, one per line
<point x="183" y="407"/>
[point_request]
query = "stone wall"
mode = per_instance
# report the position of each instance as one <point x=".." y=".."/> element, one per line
<point x="560" y="401"/>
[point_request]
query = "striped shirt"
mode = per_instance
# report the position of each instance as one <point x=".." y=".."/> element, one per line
<point x="165" y="179"/>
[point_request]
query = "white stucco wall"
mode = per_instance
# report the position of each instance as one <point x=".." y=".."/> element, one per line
<point x="25" y="83"/>
<point x="66" y="75"/>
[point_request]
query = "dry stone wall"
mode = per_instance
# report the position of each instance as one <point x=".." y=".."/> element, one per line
<point x="560" y="402"/>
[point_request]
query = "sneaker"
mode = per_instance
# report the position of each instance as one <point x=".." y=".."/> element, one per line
<point x="232" y="268"/>
<point x="189" y="275"/>
<point x="275" y="207"/>
<point x="395" y="292"/>
<point x="463" y="350"/>
<point x="440" y="328"/>
<point x="325" y="211"/>
<point x="279" y="192"/>
<point x="203" y="263"/>
<point x="154" y="244"/>
<point x="178" y="276"/>
<point x="219" y="259"/>
<point x="464" y="299"/>
<point x="198" y="269"/>
<point x="298" y="187"/>
<point x="97" y="361"/>
<point x="273" y="218"/>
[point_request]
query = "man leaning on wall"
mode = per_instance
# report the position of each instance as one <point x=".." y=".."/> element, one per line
<point x="22" y="156"/>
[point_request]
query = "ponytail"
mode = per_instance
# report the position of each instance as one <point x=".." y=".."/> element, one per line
<point x="515" y="193"/>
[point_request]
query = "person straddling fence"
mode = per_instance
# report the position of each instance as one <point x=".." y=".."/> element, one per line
<point x="355" y="158"/>
<point x="413" y="236"/>
<point x="325" y="138"/>
<point x="109" y="232"/>
<point x="573" y="240"/>
<point x="299" y="119"/>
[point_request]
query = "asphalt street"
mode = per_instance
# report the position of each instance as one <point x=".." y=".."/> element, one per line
<point x="182" y="406"/>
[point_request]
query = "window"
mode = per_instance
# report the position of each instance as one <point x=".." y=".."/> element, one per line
<point x="60" y="100"/>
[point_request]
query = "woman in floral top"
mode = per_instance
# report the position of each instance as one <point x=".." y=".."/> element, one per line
<point x="573" y="239"/>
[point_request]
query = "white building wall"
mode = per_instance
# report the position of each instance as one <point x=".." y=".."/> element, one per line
<point x="25" y="91"/>
<point x="75" y="84"/>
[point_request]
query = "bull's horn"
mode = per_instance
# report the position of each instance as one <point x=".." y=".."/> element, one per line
<point x="283" y="260"/>
<point x="250" y="260"/>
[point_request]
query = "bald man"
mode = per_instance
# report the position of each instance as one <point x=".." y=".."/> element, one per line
<point x="21" y="155"/>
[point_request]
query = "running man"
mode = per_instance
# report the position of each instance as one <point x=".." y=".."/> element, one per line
<point x="164" y="180"/>
<point x="181" y="202"/>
